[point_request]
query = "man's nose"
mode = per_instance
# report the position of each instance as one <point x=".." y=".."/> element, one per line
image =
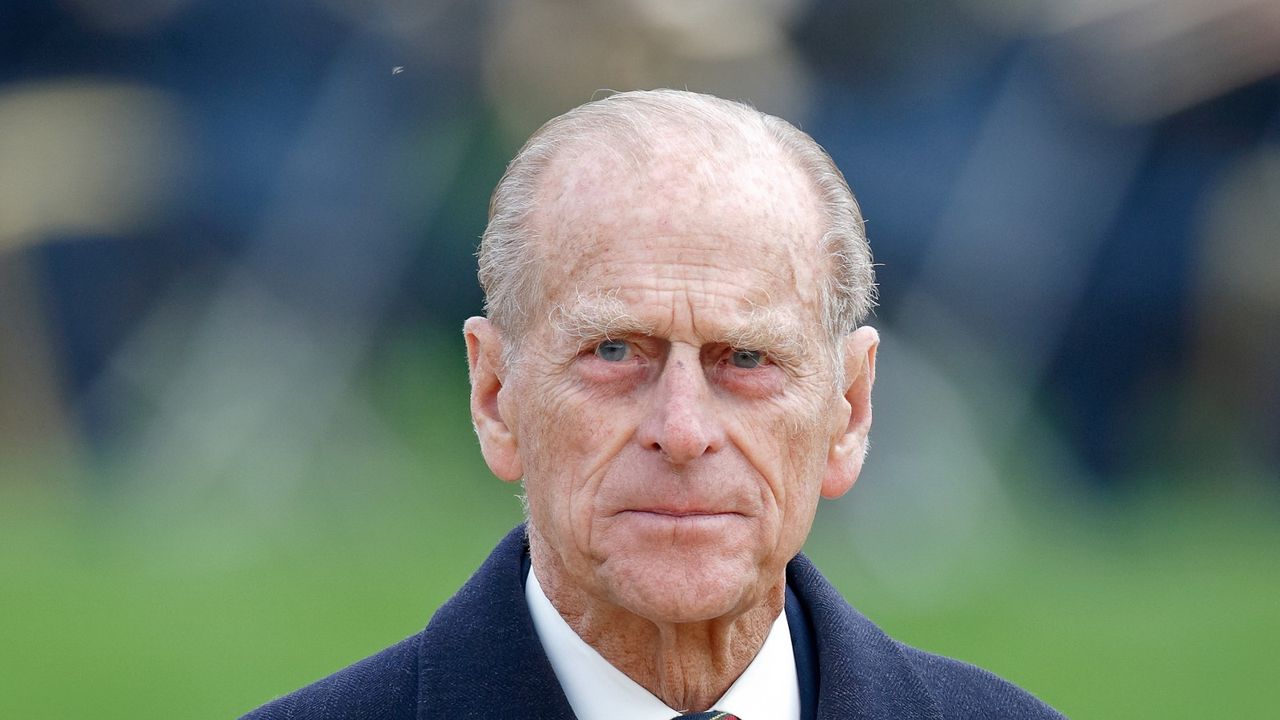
<point x="680" y="422"/>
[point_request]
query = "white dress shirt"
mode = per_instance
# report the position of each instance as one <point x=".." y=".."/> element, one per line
<point x="767" y="690"/>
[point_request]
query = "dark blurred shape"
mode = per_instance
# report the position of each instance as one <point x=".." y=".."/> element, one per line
<point x="1233" y="408"/>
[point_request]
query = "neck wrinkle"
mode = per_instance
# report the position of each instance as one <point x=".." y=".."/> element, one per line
<point x="689" y="666"/>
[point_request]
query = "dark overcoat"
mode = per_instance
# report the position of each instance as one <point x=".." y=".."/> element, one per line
<point x="480" y="657"/>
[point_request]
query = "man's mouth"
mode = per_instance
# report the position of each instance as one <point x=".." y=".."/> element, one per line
<point x="676" y="514"/>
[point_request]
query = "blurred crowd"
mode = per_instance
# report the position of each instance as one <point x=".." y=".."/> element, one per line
<point x="213" y="213"/>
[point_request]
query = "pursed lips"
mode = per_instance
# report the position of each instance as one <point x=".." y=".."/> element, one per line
<point x="679" y="513"/>
<point x="676" y="513"/>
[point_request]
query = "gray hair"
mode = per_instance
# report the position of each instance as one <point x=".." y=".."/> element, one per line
<point x="623" y="124"/>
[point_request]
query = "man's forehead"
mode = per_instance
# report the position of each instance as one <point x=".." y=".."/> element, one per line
<point x="748" y="205"/>
<point x="703" y="277"/>
<point x="675" y="168"/>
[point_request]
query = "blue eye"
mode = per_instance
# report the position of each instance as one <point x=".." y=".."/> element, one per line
<point x="613" y="351"/>
<point x="746" y="359"/>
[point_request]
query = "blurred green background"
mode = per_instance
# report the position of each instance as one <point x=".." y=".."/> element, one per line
<point x="236" y="250"/>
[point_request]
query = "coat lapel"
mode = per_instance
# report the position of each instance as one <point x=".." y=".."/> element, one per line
<point x="480" y="656"/>
<point x="862" y="671"/>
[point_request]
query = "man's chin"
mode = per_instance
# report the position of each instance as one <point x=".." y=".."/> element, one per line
<point x="683" y="590"/>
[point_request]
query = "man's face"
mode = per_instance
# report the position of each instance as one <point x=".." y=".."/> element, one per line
<point x="675" y="405"/>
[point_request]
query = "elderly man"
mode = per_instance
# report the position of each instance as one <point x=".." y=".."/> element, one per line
<point x="673" y="365"/>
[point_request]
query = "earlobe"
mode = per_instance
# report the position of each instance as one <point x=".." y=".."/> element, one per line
<point x="498" y="441"/>
<point x="853" y="422"/>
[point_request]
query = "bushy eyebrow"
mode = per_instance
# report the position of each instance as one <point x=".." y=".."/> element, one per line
<point x="592" y="318"/>
<point x="771" y="331"/>
<point x="597" y="317"/>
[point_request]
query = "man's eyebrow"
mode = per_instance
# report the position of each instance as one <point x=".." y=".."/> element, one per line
<point x="769" y="330"/>
<point x="590" y="318"/>
<point x="597" y="317"/>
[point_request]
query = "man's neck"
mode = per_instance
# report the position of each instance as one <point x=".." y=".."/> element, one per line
<point x="686" y="665"/>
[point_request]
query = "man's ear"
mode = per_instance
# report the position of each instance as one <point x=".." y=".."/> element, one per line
<point x="498" y="440"/>
<point x="853" y="421"/>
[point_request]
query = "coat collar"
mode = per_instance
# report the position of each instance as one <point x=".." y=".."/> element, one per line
<point x="480" y="656"/>
<point x="863" y="673"/>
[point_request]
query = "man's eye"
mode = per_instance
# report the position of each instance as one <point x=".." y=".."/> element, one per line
<point x="613" y="351"/>
<point x="746" y="359"/>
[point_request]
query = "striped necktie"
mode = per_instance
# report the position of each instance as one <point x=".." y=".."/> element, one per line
<point x="708" y="715"/>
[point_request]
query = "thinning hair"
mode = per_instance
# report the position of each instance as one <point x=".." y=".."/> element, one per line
<point x="624" y="124"/>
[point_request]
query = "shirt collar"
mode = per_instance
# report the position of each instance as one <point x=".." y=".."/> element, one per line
<point x="596" y="690"/>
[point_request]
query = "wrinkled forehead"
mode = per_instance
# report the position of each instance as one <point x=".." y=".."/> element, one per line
<point x="600" y="175"/>
<point x="741" y="205"/>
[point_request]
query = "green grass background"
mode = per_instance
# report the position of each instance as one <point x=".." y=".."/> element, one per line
<point x="124" y="601"/>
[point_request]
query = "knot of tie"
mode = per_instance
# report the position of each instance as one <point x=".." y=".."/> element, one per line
<point x="708" y="715"/>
